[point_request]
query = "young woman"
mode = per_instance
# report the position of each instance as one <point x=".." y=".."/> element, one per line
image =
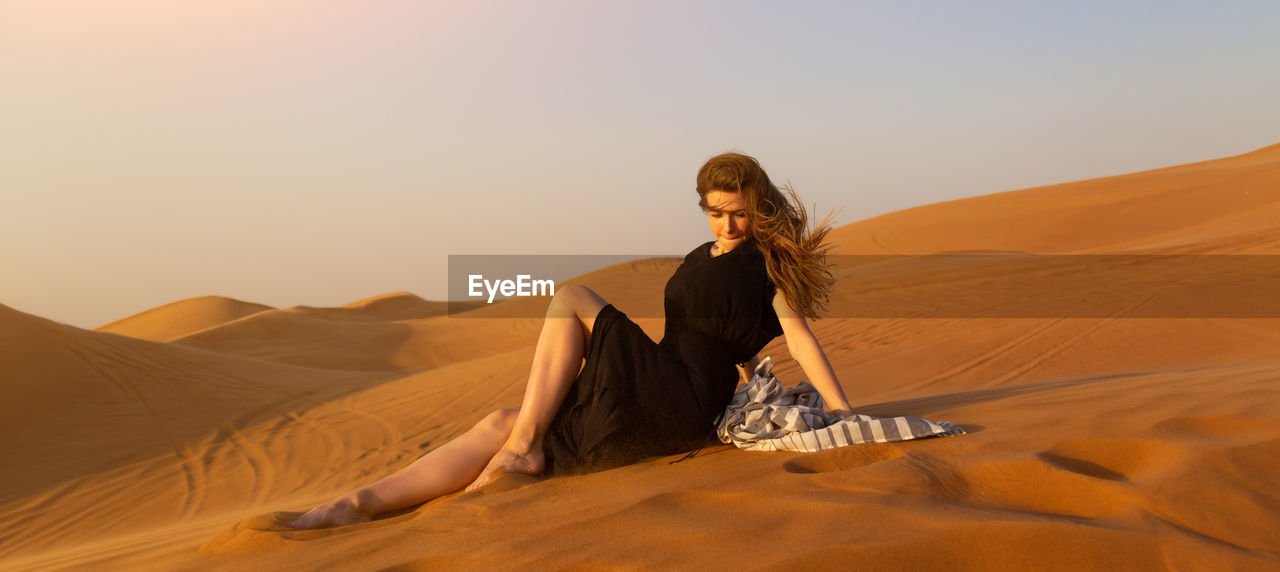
<point x="601" y="394"/>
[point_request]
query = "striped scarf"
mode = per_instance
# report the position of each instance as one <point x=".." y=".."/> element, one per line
<point x="762" y="416"/>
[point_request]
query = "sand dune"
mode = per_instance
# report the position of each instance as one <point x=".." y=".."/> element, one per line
<point x="291" y="336"/>
<point x="167" y="439"/>
<point x="182" y="317"/>
<point x="1223" y="206"/>
<point x="385" y="307"/>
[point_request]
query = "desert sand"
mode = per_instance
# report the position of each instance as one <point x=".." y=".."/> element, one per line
<point x="167" y="440"/>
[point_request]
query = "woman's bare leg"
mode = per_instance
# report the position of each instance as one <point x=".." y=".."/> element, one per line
<point x="445" y="469"/>
<point x="557" y="360"/>
<point x="570" y="320"/>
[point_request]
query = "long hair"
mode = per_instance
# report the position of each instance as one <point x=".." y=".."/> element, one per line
<point x="795" y="257"/>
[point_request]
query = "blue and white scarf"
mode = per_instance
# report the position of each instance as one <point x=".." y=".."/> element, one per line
<point x="762" y="416"/>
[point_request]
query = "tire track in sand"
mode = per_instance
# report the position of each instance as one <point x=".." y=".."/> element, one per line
<point x="103" y="362"/>
<point x="1016" y="342"/>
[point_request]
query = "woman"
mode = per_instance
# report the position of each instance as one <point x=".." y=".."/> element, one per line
<point x="632" y="398"/>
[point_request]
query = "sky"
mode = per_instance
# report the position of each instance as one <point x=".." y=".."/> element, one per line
<point x="321" y="152"/>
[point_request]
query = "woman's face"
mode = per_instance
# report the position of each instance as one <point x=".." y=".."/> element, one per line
<point x="728" y="219"/>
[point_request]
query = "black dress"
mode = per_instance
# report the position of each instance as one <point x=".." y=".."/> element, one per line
<point x="635" y="399"/>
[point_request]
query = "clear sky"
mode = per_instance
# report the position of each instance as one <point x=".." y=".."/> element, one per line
<point x="313" y="152"/>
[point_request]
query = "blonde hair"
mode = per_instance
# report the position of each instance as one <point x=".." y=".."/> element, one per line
<point x="795" y="257"/>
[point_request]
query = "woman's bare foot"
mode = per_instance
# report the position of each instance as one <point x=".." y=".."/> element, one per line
<point x="342" y="511"/>
<point x="509" y="461"/>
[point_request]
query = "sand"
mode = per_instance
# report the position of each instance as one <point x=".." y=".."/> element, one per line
<point x="166" y="440"/>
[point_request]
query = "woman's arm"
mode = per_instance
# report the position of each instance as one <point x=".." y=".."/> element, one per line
<point x="808" y="353"/>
